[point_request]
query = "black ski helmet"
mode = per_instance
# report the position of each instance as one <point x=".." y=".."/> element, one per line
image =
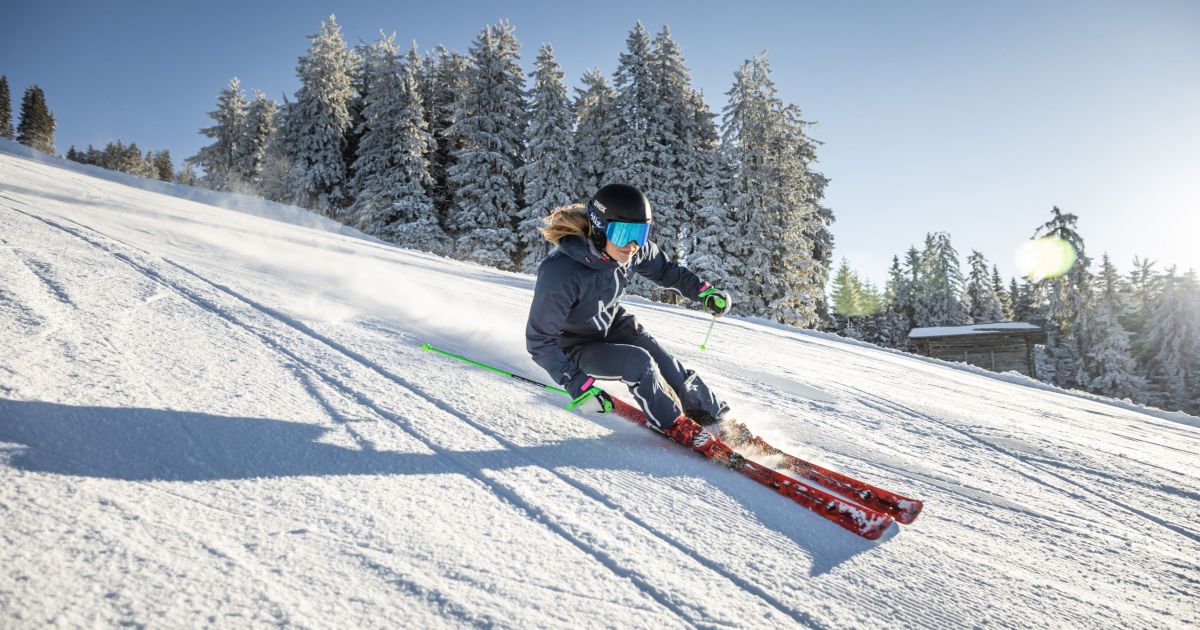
<point x="616" y="202"/>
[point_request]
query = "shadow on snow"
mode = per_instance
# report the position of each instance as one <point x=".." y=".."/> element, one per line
<point x="137" y="444"/>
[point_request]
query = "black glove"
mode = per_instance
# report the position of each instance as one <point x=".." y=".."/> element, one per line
<point x="583" y="387"/>
<point x="716" y="302"/>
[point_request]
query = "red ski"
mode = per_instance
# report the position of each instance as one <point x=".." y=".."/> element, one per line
<point x="899" y="507"/>
<point x="864" y="521"/>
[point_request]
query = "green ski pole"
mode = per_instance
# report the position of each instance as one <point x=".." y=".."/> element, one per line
<point x="574" y="403"/>
<point x="704" y="346"/>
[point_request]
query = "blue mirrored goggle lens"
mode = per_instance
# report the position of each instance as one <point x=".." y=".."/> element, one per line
<point x="621" y="234"/>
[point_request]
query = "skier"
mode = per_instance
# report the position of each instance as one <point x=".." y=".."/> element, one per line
<point x="579" y="332"/>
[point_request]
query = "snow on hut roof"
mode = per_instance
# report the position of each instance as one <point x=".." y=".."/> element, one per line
<point x="977" y="329"/>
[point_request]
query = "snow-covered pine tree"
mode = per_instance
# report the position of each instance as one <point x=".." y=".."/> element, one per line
<point x="675" y="159"/>
<point x="251" y="151"/>
<point x="704" y="146"/>
<point x="320" y="119"/>
<point x="417" y="224"/>
<point x="490" y="118"/>
<point x="1066" y="304"/>
<point x="983" y="304"/>
<point x="716" y="253"/>
<point x="632" y="152"/>
<point x="362" y="74"/>
<point x="896" y="320"/>
<point x="1024" y="308"/>
<point x="773" y="198"/>
<point x="1143" y="287"/>
<point x="1002" y="295"/>
<point x="135" y="163"/>
<point x="816" y="229"/>
<point x="391" y="174"/>
<point x="36" y="128"/>
<point x="939" y="289"/>
<point x="595" y="125"/>
<point x="187" y="175"/>
<point x="443" y="81"/>
<point x="1174" y="343"/>
<point x="281" y="171"/>
<point x="550" y="175"/>
<point x="164" y="168"/>
<point x="219" y="160"/>
<point x="378" y="76"/>
<point x="6" y="126"/>
<point x="913" y="308"/>
<point x="1113" y="370"/>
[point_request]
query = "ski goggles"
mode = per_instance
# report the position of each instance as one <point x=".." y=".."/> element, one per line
<point x="621" y="234"/>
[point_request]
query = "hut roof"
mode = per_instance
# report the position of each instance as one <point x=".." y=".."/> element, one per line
<point x="976" y="329"/>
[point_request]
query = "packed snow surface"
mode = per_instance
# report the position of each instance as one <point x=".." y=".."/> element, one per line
<point x="212" y="418"/>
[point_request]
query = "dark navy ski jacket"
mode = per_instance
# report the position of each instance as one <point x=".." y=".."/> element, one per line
<point x="578" y="299"/>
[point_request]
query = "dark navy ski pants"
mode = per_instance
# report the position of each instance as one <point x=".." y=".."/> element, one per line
<point x="657" y="380"/>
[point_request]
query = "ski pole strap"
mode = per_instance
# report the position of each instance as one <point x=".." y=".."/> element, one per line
<point x="430" y="348"/>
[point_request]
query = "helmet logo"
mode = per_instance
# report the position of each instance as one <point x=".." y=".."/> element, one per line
<point x="600" y="206"/>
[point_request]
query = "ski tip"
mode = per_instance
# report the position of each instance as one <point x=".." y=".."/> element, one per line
<point x="876" y="528"/>
<point x="426" y="347"/>
<point x="909" y="510"/>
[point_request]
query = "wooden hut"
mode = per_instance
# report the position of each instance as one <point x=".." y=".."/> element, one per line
<point x="999" y="347"/>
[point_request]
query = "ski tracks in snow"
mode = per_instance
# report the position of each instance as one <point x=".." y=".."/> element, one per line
<point x="707" y="597"/>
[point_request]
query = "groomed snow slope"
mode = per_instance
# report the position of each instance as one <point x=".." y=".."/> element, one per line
<point x="213" y="418"/>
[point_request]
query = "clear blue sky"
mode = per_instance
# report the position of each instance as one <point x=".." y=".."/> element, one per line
<point x="967" y="117"/>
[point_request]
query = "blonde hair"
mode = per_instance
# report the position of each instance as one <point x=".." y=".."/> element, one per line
<point x="565" y="221"/>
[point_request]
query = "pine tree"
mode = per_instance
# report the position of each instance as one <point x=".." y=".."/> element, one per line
<point x="251" y="155"/>
<point x="549" y="173"/>
<point x="164" y="168"/>
<point x="774" y="196"/>
<point x="320" y="119"/>
<point x="443" y="81"/>
<point x="417" y="223"/>
<point x="897" y="316"/>
<point x="1002" y="296"/>
<point x="632" y="144"/>
<point x="716" y="250"/>
<point x="6" y="126"/>
<point x="595" y="125"/>
<point x="1114" y="372"/>
<point x="983" y="304"/>
<point x="1022" y="298"/>
<point x="1174" y="343"/>
<point x="1066" y="298"/>
<point x="391" y="172"/>
<point x="939" y="288"/>
<point x="675" y="151"/>
<point x="380" y="150"/>
<point x="187" y="175"/>
<point x="281" y="167"/>
<point x="848" y="299"/>
<point x="1143" y="289"/>
<point x="36" y="128"/>
<point x="219" y="159"/>
<point x="490" y="118"/>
